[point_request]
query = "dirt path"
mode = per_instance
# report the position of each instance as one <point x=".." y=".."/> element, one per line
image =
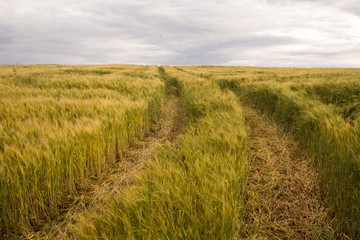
<point x="283" y="196"/>
<point x="167" y="128"/>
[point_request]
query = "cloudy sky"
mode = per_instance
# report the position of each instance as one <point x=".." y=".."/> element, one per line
<point x="291" y="33"/>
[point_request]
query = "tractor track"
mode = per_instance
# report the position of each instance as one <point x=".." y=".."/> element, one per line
<point x="283" y="198"/>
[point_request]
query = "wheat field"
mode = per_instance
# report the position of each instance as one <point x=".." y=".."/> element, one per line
<point x="62" y="128"/>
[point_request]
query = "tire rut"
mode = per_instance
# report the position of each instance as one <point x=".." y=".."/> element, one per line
<point x="283" y="195"/>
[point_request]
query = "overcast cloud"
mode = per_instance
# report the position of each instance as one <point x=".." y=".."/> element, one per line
<point x="292" y="33"/>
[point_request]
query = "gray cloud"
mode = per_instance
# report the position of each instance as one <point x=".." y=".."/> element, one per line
<point x="260" y="32"/>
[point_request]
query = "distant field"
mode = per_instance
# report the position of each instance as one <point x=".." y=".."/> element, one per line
<point x="62" y="127"/>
